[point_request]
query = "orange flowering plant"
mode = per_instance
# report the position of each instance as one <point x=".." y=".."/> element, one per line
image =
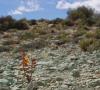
<point x="27" y="65"/>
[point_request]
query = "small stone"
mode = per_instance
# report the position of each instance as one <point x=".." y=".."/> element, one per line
<point x="59" y="79"/>
<point x="71" y="66"/>
<point x="40" y="83"/>
<point x="73" y="57"/>
<point x="76" y="73"/>
<point x="64" y="87"/>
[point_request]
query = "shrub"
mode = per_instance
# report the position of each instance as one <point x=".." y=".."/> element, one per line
<point x="33" y="22"/>
<point x="80" y="32"/>
<point x="90" y="34"/>
<point x="27" y="35"/>
<point x="40" y="29"/>
<point x="83" y="13"/>
<point x="93" y="34"/>
<point x="63" y="37"/>
<point x="6" y="23"/>
<point x="68" y="23"/>
<point x="22" y="24"/>
<point x="97" y="34"/>
<point x="85" y="43"/>
<point x="89" y="44"/>
<point x="5" y="48"/>
<point x="36" y="44"/>
<point x="97" y="19"/>
<point x="57" y="21"/>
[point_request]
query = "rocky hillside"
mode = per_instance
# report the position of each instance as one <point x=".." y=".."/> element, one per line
<point x="61" y="63"/>
<point x="62" y="68"/>
<point x="67" y="52"/>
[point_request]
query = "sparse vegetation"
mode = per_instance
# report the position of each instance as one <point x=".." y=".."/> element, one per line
<point x="76" y="28"/>
<point x="22" y="24"/>
<point x="27" y="36"/>
<point x="63" y="37"/>
<point x="89" y="44"/>
<point x="59" y="48"/>
<point x="80" y="32"/>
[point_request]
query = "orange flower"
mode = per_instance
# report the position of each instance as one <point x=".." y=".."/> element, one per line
<point x="25" y="60"/>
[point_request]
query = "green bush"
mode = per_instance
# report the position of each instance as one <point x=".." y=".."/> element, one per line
<point x="83" y="13"/>
<point x="6" y="23"/>
<point x="22" y="24"/>
<point x="41" y="28"/>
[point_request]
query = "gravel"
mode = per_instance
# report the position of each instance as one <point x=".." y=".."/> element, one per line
<point x="63" y="68"/>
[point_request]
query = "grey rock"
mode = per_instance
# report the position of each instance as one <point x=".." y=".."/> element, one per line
<point x="94" y="83"/>
<point x="4" y="82"/>
<point x="5" y="88"/>
<point x="72" y="66"/>
<point x="59" y="79"/>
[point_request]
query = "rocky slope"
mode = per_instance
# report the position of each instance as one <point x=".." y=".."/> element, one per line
<point x="62" y="68"/>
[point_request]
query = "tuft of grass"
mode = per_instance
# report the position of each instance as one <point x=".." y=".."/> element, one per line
<point x="93" y="34"/>
<point x="40" y="30"/>
<point x="90" y="34"/>
<point x="63" y="37"/>
<point x="89" y="44"/>
<point x="97" y="33"/>
<point x="84" y="44"/>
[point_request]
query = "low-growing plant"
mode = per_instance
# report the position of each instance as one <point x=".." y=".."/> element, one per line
<point x="90" y="34"/>
<point x="89" y="44"/>
<point x="38" y="43"/>
<point x="80" y="32"/>
<point x="63" y="37"/>
<point x="5" y="48"/>
<point x="40" y="29"/>
<point x="97" y="33"/>
<point x="27" y="35"/>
